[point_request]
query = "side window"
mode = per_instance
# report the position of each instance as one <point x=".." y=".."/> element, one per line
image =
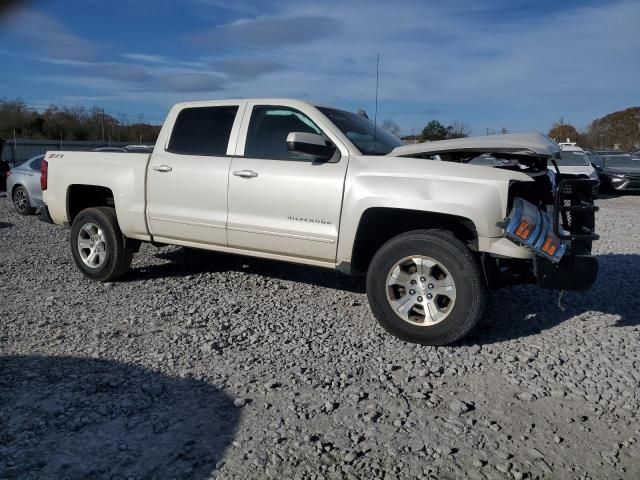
<point x="269" y="128"/>
<point x="202" y="131"/>
<point x="35" y="164"/>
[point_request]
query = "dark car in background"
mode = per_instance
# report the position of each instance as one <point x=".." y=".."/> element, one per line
<point x="618" y="172"/>
<point x="4" y="173"/>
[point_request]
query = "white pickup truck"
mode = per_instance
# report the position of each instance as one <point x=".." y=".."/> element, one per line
<point x="287" y="180"/>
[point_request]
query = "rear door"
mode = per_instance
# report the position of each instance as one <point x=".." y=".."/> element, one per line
<point x="279" y="201"/>
<point x="187" y="178"/>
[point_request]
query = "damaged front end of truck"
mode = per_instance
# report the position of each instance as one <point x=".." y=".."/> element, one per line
<point x="552" y="216"/>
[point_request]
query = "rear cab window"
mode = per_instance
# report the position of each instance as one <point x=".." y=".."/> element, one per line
<point x="203" y="131"/>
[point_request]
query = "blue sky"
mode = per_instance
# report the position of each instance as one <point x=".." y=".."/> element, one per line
<point x="518" y="64"/>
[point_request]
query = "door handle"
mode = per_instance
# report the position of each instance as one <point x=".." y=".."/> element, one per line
<point x="245" y="173"/>
<point x="162" y="168"/>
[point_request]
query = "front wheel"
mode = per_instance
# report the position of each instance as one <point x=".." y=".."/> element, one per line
<point x="98" y="246"/>
<point x="425" y="287"/>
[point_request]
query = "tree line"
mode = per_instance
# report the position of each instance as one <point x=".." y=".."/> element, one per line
<point x="70" y="123"/>
<point x="434" y="130"/>
<point x="616" y="130"/>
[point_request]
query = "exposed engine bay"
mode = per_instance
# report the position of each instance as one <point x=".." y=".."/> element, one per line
<point x="553" y="216"/>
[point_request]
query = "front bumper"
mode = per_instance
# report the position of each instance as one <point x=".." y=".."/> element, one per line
<point x="624" y="182"/>
<point x="569" y="267"/>
<point x="573" y="272"/>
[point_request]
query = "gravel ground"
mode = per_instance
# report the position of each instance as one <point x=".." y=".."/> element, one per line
<point x="200" y="365"/>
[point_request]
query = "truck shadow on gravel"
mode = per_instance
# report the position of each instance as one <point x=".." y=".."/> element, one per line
<point x="511" y="313"/>
<point x="186" y="261"/>
<point x="526" y="310"/>
<point x="64" y="417"/>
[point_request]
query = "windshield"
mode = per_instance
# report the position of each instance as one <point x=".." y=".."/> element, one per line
<point x="614" y="161"/>
<point x="572" y="159"/>
<point x="362" y="132"/>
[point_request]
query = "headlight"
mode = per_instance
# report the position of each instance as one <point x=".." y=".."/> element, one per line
<point x="593" y="175"/>
<point x="532" y="228"/>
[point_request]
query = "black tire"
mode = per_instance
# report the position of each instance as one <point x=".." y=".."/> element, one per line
<point x="118" y="253"/>
<point x="451" y="253"/>
<point x="21" y="201"/>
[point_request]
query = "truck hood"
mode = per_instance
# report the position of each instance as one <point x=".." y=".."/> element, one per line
<point x="534" y="144"/>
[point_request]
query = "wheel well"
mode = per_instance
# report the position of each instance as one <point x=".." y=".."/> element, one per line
<point x="377" y="225"/>
<point x="80" y="197"/>
<point x="14" y="188"/>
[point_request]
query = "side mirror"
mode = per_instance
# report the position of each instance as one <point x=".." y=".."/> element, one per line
<point x="311" y="144"/>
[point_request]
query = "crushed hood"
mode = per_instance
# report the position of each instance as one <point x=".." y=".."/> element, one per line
<point x="534" y="144"/>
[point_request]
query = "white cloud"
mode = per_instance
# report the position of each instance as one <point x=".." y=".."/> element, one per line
<point x="145" y="58"/>
<point x="50" y="36"/>
<point x="477" y="62"/>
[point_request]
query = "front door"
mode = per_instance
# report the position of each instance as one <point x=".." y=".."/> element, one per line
<point x="279" y="201"/>
<point x="187" y="180"/>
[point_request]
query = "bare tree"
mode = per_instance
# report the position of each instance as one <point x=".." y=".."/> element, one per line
<point x="391" y="127"/>
<point x="459" y="129"/>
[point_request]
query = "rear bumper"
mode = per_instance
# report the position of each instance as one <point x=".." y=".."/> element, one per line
<point x="44" y="214"/>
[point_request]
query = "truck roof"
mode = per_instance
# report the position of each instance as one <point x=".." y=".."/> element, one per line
<point x="268" y="100"/>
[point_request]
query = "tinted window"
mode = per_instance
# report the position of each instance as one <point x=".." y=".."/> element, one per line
<point x="269" y="128"/>
<point x="202" y="131"/>
<point x="618" y="161"/>
<point x="35" y="164"/>
<point x="572" y="159"/>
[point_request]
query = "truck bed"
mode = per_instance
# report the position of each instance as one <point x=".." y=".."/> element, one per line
<point x="122" y="173"/>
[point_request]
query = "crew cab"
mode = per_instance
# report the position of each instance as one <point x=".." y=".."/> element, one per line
<point x="287" y="180"/>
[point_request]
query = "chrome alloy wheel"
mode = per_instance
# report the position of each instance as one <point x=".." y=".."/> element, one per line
<point x="20" y="200"/>
<point x="92" y="245"/>
<point x="421" y="291"/>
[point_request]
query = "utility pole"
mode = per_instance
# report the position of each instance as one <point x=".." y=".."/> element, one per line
<point x="13" y="156"/>
<point x="102" y="123"/>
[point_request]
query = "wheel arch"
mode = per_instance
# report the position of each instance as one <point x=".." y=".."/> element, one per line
<point x="377" y="225"/>
<point x="15" y="186"/>
<point x="81" y="196"/>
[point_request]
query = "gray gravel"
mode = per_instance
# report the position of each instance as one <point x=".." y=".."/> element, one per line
<point x="200" y="365"/>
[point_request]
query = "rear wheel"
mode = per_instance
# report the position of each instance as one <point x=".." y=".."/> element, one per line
<point x="425" y="286"/>
<point x="98" y="247"/>
<point x="21" y="201"/>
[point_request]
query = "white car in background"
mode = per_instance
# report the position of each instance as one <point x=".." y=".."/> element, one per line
<point x="23" y="186"/>
<point x="574" y="161"/>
